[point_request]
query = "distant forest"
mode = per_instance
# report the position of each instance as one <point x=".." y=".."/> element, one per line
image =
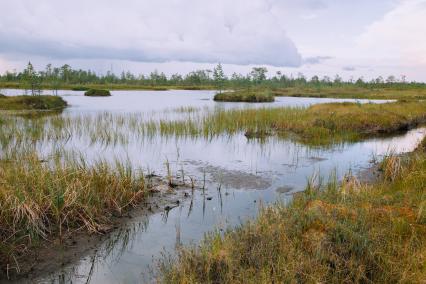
<point x="57" y="77"/>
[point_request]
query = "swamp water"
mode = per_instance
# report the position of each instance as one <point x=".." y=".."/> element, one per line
<point x="249" y="173"/>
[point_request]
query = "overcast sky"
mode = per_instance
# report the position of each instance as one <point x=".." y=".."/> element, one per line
<point x="326" y="37"/>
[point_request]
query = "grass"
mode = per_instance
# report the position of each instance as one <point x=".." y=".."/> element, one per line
<point x="331" y="233"/>
<point x="31" y="103"/>
<point x="352" y="92"/>
<point x="45" y="198"/>
<point x="250" y="96"/>
<point x="97" y="93"/>
<point x="323" y="124"/>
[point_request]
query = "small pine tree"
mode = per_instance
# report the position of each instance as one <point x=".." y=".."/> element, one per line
<point x="31" y="80"/>
<point x="219" y="77"/>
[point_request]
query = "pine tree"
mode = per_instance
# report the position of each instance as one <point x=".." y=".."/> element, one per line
<point x="219" y="77"/>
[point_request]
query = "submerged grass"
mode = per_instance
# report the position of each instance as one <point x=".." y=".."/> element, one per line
<point x="334" y="233"/>
<point x="46" y="199"/>
<point x="323" y="124"/>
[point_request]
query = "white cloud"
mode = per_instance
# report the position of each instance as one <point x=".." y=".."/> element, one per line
<point x="237" y="32"/>
<point x="399" y="37"/>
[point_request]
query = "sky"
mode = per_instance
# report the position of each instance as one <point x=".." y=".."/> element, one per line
<point x="354" y="39"/>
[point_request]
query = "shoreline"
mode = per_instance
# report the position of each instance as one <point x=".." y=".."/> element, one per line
<point x="54" y="253"/>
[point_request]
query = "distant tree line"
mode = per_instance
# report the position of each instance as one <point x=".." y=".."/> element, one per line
<point x="55" y="77"/>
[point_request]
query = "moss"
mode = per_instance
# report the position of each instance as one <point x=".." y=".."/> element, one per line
<point x="249" y="96"/>
<point x="32" y="103"/>
<point x="97" y="93"/>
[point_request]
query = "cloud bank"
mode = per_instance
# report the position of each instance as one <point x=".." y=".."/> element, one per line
<point x="234" y="32"/>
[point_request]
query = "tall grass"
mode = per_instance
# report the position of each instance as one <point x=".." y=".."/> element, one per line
<point x="332" y="233"/>
<point x="318" y="124"/>
<point x="47" y="198"/>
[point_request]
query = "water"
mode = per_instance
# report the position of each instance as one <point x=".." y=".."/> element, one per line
<point x="151" y="101"/>
<point x="248" y="172"/>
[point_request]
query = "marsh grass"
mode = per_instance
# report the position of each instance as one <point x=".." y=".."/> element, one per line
<point x="352" y="92"/>
<point x="46" y="198"/>
<point x="245" y="95"/>
<point x="318" y="125"/>
<point x="32" y="103"/>
<point x="97" y="93"/>
<point x="332" y="233"/>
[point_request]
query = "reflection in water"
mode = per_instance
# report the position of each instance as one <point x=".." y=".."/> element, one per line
<point x="229" y="177"/>
<point x="127" y="257"/>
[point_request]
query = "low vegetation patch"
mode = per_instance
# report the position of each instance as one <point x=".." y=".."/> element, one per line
<point x="80" y="88"/>
<point x="249" y="96"/>
<point x="46" y="199"/>
<point x="352" y="92"/>
<point x="322" y="123"/>
<point x="97" y="93"/>
<point x="347" y="233"/>
<point x="32" y="103"/>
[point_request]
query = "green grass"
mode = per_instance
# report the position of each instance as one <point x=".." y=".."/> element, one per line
<point x="320" y="124"/>
<point x="97" y="93"/>
<point x="31" y="103"/>
<point x="46" y="198"/>
<point x="347" y="233"/>
<point x="352" y="92"/>
<point x="250" y="96"/>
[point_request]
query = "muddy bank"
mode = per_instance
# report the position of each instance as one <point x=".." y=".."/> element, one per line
<point x="53" y="254"/>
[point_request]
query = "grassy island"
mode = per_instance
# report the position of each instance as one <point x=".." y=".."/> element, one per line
<point x="31" y="103"/>
<point x="97" y="93"/>
<point x="248" y="96"/>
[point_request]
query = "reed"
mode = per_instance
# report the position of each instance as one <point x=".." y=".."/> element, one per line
<point x="323" y="124"/>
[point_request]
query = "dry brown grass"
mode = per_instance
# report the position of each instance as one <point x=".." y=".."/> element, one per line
<point x="41" y="200"/>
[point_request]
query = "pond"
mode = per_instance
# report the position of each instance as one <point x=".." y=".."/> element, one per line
<point x="240" y="174"/>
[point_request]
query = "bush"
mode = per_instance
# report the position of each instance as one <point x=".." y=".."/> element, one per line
<point x="97" y="93"/>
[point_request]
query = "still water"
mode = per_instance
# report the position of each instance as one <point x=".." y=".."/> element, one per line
<point x="248" y="172"/>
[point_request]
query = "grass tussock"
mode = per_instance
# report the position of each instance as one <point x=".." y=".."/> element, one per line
<point x="45" y="199"/>
<point x="347" y="233"/>
<point x="32" y="103"/>
<point x="97" y="93"/>
<point x="246" y="95"/>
